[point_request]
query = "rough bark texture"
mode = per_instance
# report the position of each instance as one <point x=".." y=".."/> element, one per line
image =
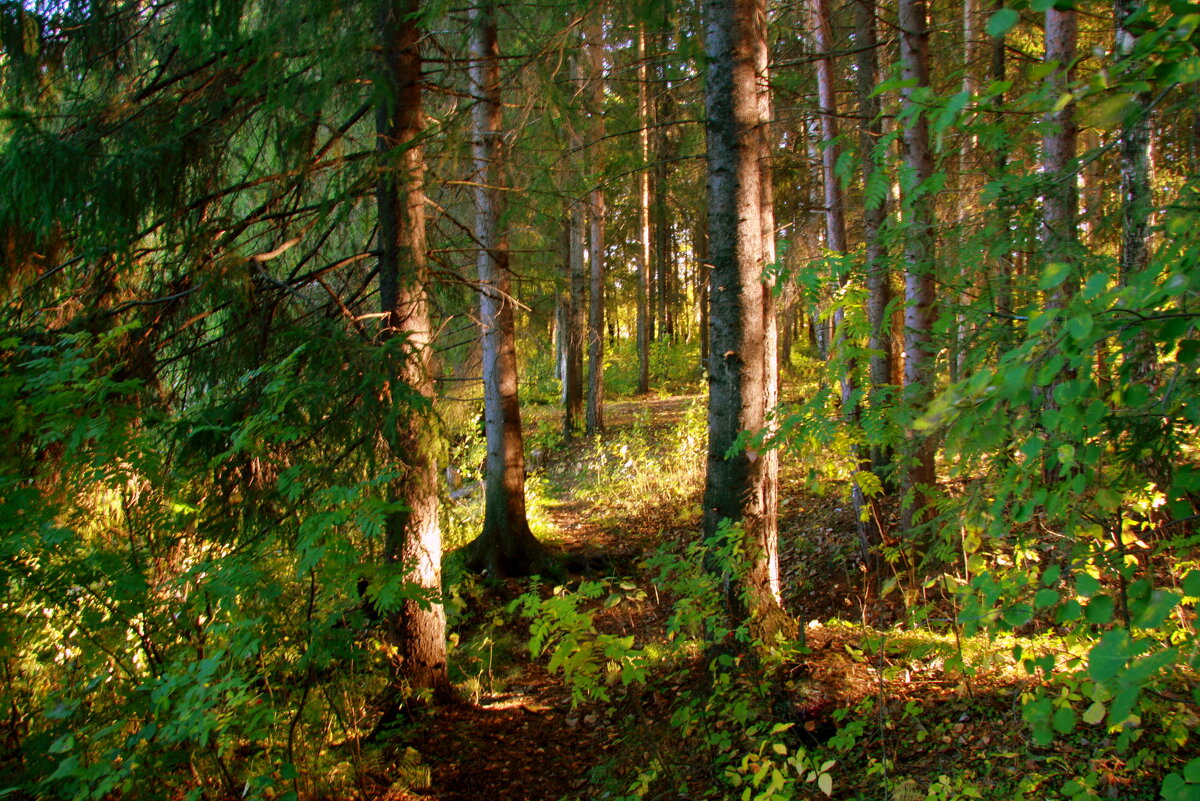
<point x="575" y="315"/>
<point x="878" y="282"/>
<point x="505" y="546"/>
<point x="919" y="287"/>
<point x="574" y="321"/>
<point x="1060" y="198"/>
<point x="414" y="542"/>
<point x="1135" y="161"/>
<point x="740" y="486"/>
<point x="643" y="289"/>
<point x="595" y="397"/>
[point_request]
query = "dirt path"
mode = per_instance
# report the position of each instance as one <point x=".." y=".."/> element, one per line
<point x="526" y="743"/>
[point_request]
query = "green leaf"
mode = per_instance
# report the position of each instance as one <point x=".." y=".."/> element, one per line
<point x="1100" y="610"/>
<point x="1189" y="349"/>
<point x="1045" y="598"/>
<point x="1064" y="720"/>
<point x="1086" y="585"/>
<point x="1094" y="714"/>
<point x="1108" y="657"/>
<point x="1071" y="610"/>
<point x="1055" y="273"/>
<point x="1191" y="584"/>
<point x="1191" y="772"/>
<point x="1080" y="326"/>
<point x="1188" y="70"/>
<point x="825" y="783"/>
<point x="1051" y="575"/>
<point x="1002" y="22"/>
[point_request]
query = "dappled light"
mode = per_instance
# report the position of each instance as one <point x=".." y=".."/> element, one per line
<point x="697" y="400"/>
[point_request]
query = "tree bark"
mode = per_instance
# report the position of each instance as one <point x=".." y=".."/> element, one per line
<point x="575" y="316"/>
<point x="506" y="546"/>
<point x="878" y="281"/>
<point x="919" y="287"/>
<point x="643" y="290"/>
<point x="1060" y="198"/>
<point x="741" y="486"/>
<point x="413" y="539"/>
<point x="595" y="399"/>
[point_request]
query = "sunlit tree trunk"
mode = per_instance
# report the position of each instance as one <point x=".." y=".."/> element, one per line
<point x="505" y="546"/>
<point x="414" y="542"/>
<point x="741" y="486"/>
<point x="643" y="289"/>
<point x="919" y="287"/>
<point x="1060" y="197"/>
<point x="595" y="397"/>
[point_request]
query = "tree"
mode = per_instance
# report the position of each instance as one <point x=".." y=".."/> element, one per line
<point x="740" y="487"/>
<point x="644" y="322"/>
<point x="413" y="540"/>
<point x="874" y="213"/>
<point x="919" y="286"/>
<point x="594" y="36"/>
<point x="506" y="546"/>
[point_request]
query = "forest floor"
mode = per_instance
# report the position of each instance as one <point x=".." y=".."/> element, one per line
<point x="517" y="736"/>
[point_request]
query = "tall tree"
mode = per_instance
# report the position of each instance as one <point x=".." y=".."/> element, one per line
<point x="919" y="287"/>
<point x="414" y="542"/>
<point x="644" y="322"/>
<point x="740" y="486"/>
<point x="874" y="213"/>
<point x="594" y="36"/>
<point x="1060" y="197"/>
<point x="506" y="546"/>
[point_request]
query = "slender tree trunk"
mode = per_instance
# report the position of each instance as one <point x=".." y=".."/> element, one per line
<point x="595" y="398"/>
<point x="506" y="546"/>
<point x="740" y="487"/>
<point x="662" y="236"/>
<point x="702" y="299"/>
<point x="1002" y="279"/>
<point x="1060" y="200"/>
<point x="1135" y="161"/>
<point x="878" y="281"/>
<point x="414" y="541"/>
<point x="575" y="313"/>
<point x="643" y="297"/>
<point x="919" y="287"/>
<point x="835" y="233"/>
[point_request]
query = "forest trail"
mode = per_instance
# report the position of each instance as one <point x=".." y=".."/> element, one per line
<point x="523" y="741"/>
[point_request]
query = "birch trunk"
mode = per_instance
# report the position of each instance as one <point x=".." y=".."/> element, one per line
<point x="919" y="287"/>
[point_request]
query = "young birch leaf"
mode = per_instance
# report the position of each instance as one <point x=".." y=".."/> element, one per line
<point x="1002" y="22"/>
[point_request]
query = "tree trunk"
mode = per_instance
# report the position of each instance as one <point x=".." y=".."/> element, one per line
<point x="505" y="546"/>
<point x="413" y="541"/>
<point x="919" y="287"/>
<point x="1060" y="197"/>
<point x="1135" y="161"/>
<point x="595" y="399"/>
<point x="835" y="236"/>
<point x="575" y="314"/>
<point x="878" y="281"/>
<point x="740" y="487"/>
<point x="643" y="297"/>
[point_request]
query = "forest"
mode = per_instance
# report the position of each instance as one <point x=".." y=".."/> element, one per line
<point x="599" y="399"/>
